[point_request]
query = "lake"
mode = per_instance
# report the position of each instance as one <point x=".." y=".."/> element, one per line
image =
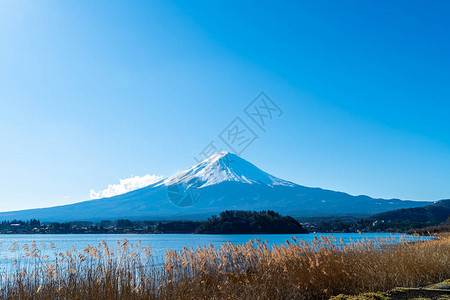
<point x="158" y="242"/>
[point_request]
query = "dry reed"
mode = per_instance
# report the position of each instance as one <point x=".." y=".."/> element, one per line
<point x="296" y="270"/>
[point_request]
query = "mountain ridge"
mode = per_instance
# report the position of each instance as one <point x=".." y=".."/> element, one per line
<point x="222" y="182"/>
<point x="436" y="212"/>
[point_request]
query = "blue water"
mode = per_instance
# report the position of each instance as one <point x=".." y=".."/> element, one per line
<point x="158" y="242"/>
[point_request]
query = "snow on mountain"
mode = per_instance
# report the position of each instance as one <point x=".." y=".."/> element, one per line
<point x="224" y="166"/>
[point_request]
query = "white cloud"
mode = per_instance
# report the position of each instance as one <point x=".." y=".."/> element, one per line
<point x="125" y="185"/>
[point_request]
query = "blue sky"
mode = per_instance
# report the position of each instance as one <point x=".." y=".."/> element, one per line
<point x="92" y="92"/>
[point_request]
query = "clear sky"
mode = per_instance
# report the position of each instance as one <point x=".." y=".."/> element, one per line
<point x="92" y="92"/>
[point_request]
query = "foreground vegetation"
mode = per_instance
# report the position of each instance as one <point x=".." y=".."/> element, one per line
<point x="297" y="270"/>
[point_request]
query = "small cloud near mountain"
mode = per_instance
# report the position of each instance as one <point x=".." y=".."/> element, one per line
<point x="125" y="186"/>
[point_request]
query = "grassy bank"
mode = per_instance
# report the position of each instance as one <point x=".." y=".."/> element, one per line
<point x="297" y="270"/>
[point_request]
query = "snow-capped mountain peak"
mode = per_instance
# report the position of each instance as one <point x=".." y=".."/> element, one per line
<point x="224" y="166"/>
<point x="200" y="192"/>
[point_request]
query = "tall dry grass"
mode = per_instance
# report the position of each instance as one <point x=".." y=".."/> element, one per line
<point x="297" y="270"/>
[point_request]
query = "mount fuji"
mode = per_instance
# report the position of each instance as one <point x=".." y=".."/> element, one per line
<point x="224" y="181"/>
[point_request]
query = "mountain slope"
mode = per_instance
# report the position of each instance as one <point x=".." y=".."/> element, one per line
<point x="436" y="212"/>
<point x="222" y="182"/>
